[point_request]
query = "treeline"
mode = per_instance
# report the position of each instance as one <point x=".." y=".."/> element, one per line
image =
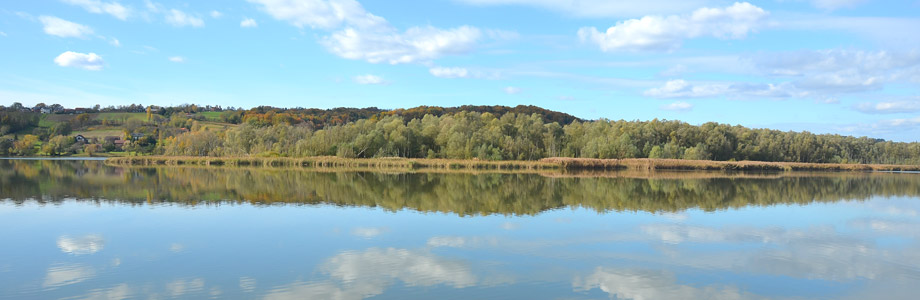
<point x="320" y="118"/>
<point x="453" y="193"/>
<point x="465" y="132"/>
<point x="512" y="136"/>
<point x="12" y="121"/>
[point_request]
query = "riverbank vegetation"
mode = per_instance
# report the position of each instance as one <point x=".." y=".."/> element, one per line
<point x="553" y="163"/>
<point x="483" y="133"/>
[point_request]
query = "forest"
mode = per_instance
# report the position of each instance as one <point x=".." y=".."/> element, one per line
<point x="513" y="136"/>
<point x="467" y="132"/>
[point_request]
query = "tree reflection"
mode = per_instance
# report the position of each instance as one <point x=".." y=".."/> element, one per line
<point x="456" y="193"/>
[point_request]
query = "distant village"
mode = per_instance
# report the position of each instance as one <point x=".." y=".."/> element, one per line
<point x="56" y="130"/>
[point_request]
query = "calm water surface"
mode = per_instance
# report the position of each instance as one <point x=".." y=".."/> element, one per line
<point x="81" y="230"/>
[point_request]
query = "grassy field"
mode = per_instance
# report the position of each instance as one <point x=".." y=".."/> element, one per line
<point x="217" y="125"/>
<point x="121" y="117"/>
<point x="50" y="120"/>
<point x="545" y="164"/>
<point x="99" y="133"/>
<point x="213" y="116"/>
<point x="46" y="121"/>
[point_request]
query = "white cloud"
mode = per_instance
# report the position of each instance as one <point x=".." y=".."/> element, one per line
<point x="63" y="28"/>
<point x="601" y="8"/>
<point x="216" y="14"/>
<point x="676" y="70"/>
<point x="678" y="106"/>
<point x="444" y="72"/>
<point x="502" y="35"/>
<point x="510" y="90"/>
<point x="885" y="30"/>
<point x="115" y="42"/>
<point x="325" y="14"/>
<point x="361" y="35"/>
<point x="87" y="244"/>
<point x="85" y="61"/>
<point x="2" y="33"/>
<point x="823" y="75"/>
<point x="895" y="124"/>
<point x="114" y="9"/>
<point x="179" y="18"/>
<point x="177" y="59"/>
<point x="153" y="6"/>
<point x="667" y="33"/>
<point x="417" y="44"/>
<point x="248" y="23"/>
<point x="682" y="89"/>
<point x="890" y="107"/>
<point x="841" y="71"/>
<point x="836" y="4"/>
<point x="369" y="79"/>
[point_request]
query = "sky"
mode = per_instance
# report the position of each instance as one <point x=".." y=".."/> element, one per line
<point x="848" y="67"/>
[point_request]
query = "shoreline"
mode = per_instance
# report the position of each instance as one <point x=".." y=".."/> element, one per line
<point x="94" y="158"/>
<point x="546" y="164"/>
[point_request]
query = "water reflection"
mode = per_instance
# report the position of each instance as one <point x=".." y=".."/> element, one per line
<point x="368" y="232"/>
<point x="462" y="194"/>
<point x="121" y="291"/>
<point x="87" y="244"/>
<point x="814" y="253"/>
<point x="246" y="233"/>
<point x="181" y="287"/>
<point x="649" y="285"/>
<point x="61" y="275"/>
<point x="362" y="274"/>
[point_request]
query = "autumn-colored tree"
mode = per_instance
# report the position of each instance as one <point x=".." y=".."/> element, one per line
<point x="26" y="145"/>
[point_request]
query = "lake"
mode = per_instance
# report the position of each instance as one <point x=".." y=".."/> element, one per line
<point x="83" y="230"/>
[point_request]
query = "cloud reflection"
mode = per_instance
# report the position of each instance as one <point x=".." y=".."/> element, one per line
<point x="814" y="253"/>
<point x="247" y="284"/>
<point x="648" y="285"/>
<point x="181" y="287"/>
<point x="61" y="275"/>
<point x="361" y="274"/>
<point x="368" y="232"/>
<point x="121" y="291"/>
<point x="87" y="244"/>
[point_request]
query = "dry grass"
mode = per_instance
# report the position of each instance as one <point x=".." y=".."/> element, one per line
<point x="555" y="163"/>
<point x="680" y="164"/>
<point x="324" y="162"/>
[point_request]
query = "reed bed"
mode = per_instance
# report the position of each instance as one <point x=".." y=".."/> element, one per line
<point x="709" y="165"/>
<point x="554" y="163"/>
<point x="335" y="162"/>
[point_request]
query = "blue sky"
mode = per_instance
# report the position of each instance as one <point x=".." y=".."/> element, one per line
<point x="828" y="66"/>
